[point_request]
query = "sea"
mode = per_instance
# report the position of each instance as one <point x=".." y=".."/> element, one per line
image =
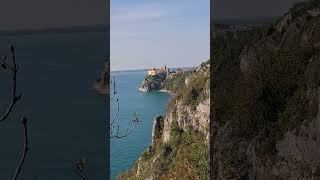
<point x="125" y="151"/>
<point x="67" y="119"/>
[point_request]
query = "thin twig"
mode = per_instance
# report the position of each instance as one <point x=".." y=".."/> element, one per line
<point x="116" y="115"/>
<point x="15" y="98"/>
<point x="114" y="88"/>
<point x="25" y="148"/>
<point x="81" y="175"/>
<point x="79" y="169"/>
<point x="115" y="131"/>
<point x="121" y="134"/>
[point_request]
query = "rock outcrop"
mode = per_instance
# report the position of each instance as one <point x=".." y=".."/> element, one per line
<point x="153" y="83"/>
<point x="157" y="129"/>
<point x="102" y="84"/>
<point x="266" y="108"/>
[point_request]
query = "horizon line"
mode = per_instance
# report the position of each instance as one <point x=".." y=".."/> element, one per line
<point x="140" y="69"/>
<point x="57" y="29"/>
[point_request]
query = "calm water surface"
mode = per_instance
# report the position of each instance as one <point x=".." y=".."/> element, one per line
<point x="125" y="151"/>
<point x="67" y="119"/>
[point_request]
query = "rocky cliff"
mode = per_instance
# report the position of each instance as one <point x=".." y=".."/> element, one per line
<point x="179" y="146"/>
<point x="102" y="84"/>
<point x="153" y="83"/>
<point x="266" y="90"/>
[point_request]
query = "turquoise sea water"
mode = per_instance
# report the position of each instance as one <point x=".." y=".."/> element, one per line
<point x="124" y="152"/>
<point x="67" y="119"/>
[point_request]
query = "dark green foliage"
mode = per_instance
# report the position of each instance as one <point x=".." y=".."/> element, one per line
<point x="277" y="92"/>
<point x="194" y="93"/>
<point x="191" y="159"/>
<point x="272" y="98"/>
<point x="175" y="82"/>
<point x="175" y="133"/>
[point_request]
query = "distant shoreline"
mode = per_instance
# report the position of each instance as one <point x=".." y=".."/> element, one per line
<point x="55" y="30"/>
<point x="139" y="70"/>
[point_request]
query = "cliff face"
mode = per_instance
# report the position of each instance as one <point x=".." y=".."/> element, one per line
<point x="102" y="84"/>
<point x="266" y="99"/>
<point x="153" y="83"/>
<point x="191" y="106"/>
<point x="179" y="146"/>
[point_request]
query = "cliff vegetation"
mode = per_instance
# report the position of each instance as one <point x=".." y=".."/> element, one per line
<point x="180" y="145"/>
<point x="266" y="87"/>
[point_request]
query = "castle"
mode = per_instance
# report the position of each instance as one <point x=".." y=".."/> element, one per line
<point x="154" y="71"/>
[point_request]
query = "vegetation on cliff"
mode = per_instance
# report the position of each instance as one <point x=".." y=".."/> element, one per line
<point x="186" y="156"/>
<point x="179" y="148"/>
<point x="175" y="82"/>
<point x="191" y="88"/>
<point x="266" y="85"/>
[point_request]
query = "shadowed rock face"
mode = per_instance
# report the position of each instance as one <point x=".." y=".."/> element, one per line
<point x="153" y="83"/>
<point x="102" y="84"/>
<point x="271" y="95"/>
<point x="157" y="129"/>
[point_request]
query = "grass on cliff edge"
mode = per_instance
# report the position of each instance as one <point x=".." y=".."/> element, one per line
<point x="192" y="94"/>
<point x="175" y="82"/>
<point x="186" y="156"/>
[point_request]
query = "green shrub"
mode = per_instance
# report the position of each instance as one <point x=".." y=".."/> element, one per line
<point x="275" y="95"/>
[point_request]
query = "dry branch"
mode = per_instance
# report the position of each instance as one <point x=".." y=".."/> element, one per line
<point x="25" y="148"/>
<point x="115" y="131"/>
<point x="79" y="169"/>
<point x="15" y="98"/>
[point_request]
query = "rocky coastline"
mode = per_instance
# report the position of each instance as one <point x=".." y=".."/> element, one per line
<point x="185" y="125"/>
<point x="153" y="83"/>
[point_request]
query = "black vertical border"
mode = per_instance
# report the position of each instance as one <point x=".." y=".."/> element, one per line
<point x="108" y="94"/>
<point x="211" y="123"/>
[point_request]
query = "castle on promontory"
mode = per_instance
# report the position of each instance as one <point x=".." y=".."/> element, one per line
<point x="163" y="70"/>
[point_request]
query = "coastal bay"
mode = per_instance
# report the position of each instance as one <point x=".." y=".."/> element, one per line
<point x="125" y="151"/>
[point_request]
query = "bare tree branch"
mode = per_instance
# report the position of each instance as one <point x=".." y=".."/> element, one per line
<point x="117" y="112"/>
<point x="115" y="131"/>
<point x="83" y="177"/>
<point x="25" y="148"/>
<point x="79" y="169"/>
<point x="124" y="133"/>
<point x="15" y="98"/>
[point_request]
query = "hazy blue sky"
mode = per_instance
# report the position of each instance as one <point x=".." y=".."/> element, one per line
<point x="151" y="33"/>
<point x="250" y="8"/>
<point x="39" y="14"/>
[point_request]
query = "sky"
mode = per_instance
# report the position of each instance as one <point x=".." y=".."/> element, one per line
<point x="153" y="33"/>
<point x="224" y="9"/>
<point x="42" y="14"/>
